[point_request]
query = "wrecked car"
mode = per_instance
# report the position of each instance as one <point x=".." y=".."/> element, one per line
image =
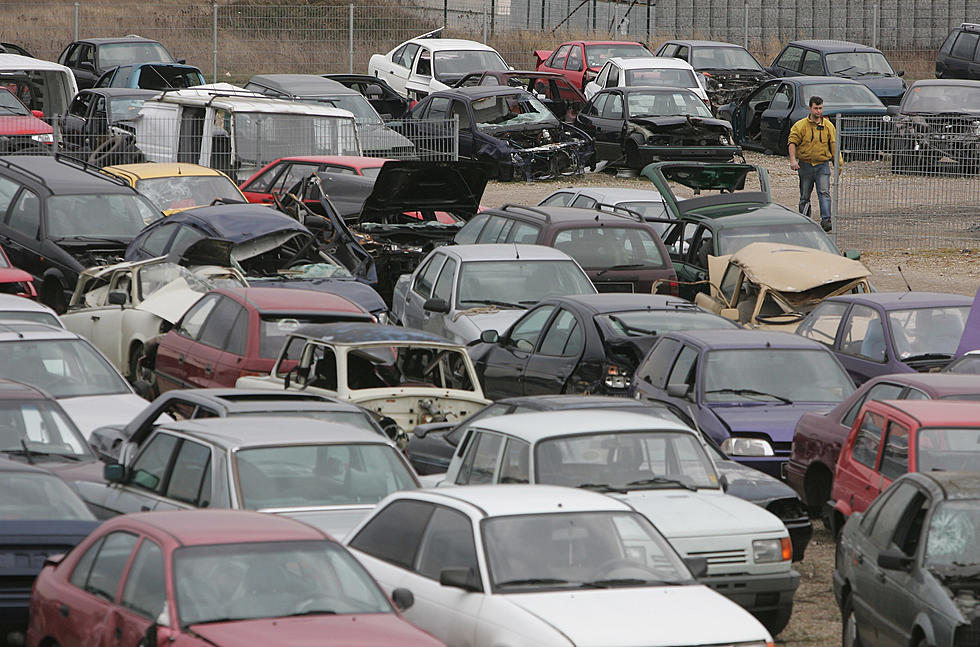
<point x="509" y="128"/>
<point x="553" y="89"/>
<point x="412" y="376"/>
<point x="771" y="284"/>
<point x="637" y="126"/>
<point x="937" y="128"/>
<point x="729" y="70"/>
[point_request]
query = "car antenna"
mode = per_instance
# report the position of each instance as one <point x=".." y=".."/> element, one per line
<point x="904" y="279"/>
<point x="517" y="252"/>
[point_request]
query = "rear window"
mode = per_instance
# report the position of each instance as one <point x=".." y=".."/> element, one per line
<point x="274" y="330"/>
<point x="603" y="247"/>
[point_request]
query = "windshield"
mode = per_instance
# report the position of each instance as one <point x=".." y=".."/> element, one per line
<point x="186" y="191"/>
<point x="923" y="331"/>
<point x="377" y="367"/>
<point x="840" y="95"/>
<point x="296" y="476"/>
<point x="597" y="55"/>
<point x="804" y="234"/>
<point x="858" y="64"/>
<point x="125" y="108"/>
<point x="953" y="539"/>
<point x="664" y="104"/>
<point x="263" y="137"/>
<point x="653" y="322"/>
<point x="669" y="77"/>
<point x="153" y="277"/>
<point x="946" y="449"/>
<point x="114" y="216"/>
<point x="969" y="364"/>
<point x="65" y="368"/>
<point x="518" y="283"/>
<point x="115" y="54"/>
<point x="625" y="460"/>
<point x="576" y="550"/>
<point x="39" y="426"/>
<point x="351" y="418"/>
<point x="27" y="495"/>
<point x="355" y="103"/>
<point x="30" y="315"/>
<point x="768" y="375"/>
<point x="455" y="63"/>
<point x="723" y="58"/>
<point x="10" y="105"/>
<point x="226" y="582"/>
<point x="942" y="98"/>
<point x="601" y="247"/>
<point x="510" y="110"/>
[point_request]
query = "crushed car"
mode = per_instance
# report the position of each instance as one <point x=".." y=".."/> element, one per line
<point x="553" y="89"/>
<point x="729" y="71"/>
<point x="937" y="128"/>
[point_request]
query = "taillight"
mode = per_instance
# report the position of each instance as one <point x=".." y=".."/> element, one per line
<point x="675" y="288"/>
<point x="412" y="104"/>
<point x="616" y="377"/>
<point x="249" y="374"/>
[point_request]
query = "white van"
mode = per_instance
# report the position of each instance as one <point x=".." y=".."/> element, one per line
<point x="40" y="85"/>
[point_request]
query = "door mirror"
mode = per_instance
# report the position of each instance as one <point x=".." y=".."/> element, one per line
<point x="403" y="599"/>
<point x="894" y="111"/>
<point x="114" y="473"/>
<point x="894" y="560"/>
<point x="723" y="481"/>
<point x="678" y="390"/>
<point x="436" y="305"/>
<point x="729" y="313"/>
<point x="38" y="113"/>
<point x="489" y="336"/>
<point x="900" y="73"/>
<point x="460" y="578"/>
<point x="853" y="254"/>
<point x="697" y="565"/>
<point x="118" y="298"/>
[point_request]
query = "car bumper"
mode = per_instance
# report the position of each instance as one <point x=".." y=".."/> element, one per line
<point x="14" y="606"/>
<point x="772" y="465"/>
<point x="756" y="593"/>
<point x="649" y="154"/>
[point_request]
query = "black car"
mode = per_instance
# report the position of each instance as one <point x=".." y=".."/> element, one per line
<point x="555" y="91"/>
<point x="959" y="58"/>
<point x="42" y="517"/>
<point x="508" y="128"/>
<point x="13" y="48"/>
<point x="730" y="71"/>
<point x="388" y="103"/>
<point x="431" y="447"/>
<point x="89" y="58"/>
<point x="635" y="126"/>
<point x="906" y="568"/>
<point x="935" y="128"/>
<point x="581" y="344"/>
<point x="93" y="117"/>
<point x="60" y="215"/>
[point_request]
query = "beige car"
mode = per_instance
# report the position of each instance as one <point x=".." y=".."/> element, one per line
<point x="774" y="285"/>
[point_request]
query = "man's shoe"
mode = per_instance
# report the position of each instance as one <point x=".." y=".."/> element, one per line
<point x="826" y="225"/>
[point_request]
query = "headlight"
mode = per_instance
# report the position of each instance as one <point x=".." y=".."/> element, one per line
<point x="766" y="551"/>
<point x="746" y="447"/>
<point x="47" y="138"/>
<point x="725" y="141"/>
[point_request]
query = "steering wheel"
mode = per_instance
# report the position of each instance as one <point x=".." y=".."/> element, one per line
<point x="610" y="566"/>
<point x="309" y="604"/>
<point x="781" y="318"/>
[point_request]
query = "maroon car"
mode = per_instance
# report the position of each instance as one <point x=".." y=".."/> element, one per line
<point x="235" y="332"/>
<point x="213" y="578"/>
<point x="282" y="174"/>
<point x="818" y="437"/>
<point x="580" y="61"/>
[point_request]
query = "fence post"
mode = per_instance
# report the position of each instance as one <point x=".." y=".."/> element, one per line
<point x="493" y="15"/>
<point x="350" y="42"/>
<point x="56" y="130"/>
<point x="595" y="15"/>
<point x="542" y="13"/>
<point x="836" y="197"/>
<point x="214" y="42"/>
<point x="874" y="24"/>
<point x="445" y="12"/>
<point x="745" y="26"/>
<point x="484" y="23"/>
<point x="76" y="22"/>
<point x="455" y="139"/>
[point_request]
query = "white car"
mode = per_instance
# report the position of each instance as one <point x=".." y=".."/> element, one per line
<point x="14" y="308"/>
<point x="657" y="71"/>
<point x="428" y="63"/>
<point x="79" y="377"/>
<point x="459" y="291"/>
<point x="539" y="566"/>
<point x="646" y="202"/>
<point x="660" y="467"/>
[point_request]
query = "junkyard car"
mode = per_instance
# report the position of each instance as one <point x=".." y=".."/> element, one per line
<point x="16" y="308"/>
<point x="14" y="280"/>
<point x="22" y="130"/>
<point x="325" y="473"/>
<point x="214" y="578"/>
<point x="645" y="202"/>
<point x="151" y="76"/>
<point x="581" y="344"/>
<point x="94" y="116"/>
<point x="39" y="85"/>
<point x="172" y="187"/>
<point x="459" y="291"/>
<point x="553" y="89"/>
<point x="889" y="332"/>
<point x="283" y="174"/>
<point x="906" y="569"/>
<point x="542" y="565"/>
<point x="580" y="61"/>
<point x="744" y="388"/>
<point x="661" y="469"/>
<point x="968" y="363"/>
<point x="935" y="128"/>
<point x="382" y="97"/>
<point x="508" y="128"/>
<point x="729" y="70"/>
<point x="819" y="435"/>
<point x="775" y="285"/>
<point x="646" y="71"/>
<point x="89" y="58"/>
<point x="636" y="126"/>
<point x="412" y="376"/>
<point x="428" y="63"/>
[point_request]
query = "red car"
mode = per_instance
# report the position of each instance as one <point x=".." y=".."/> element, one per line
<point x="213" y="578"/>
<point x="234" y="332"/>
<point x="580" y="61"/>
<point x="15" y="281"/>
<point x="285" y="172"/>
<point x="892" y="437"/>
<point x="21" y="129"/>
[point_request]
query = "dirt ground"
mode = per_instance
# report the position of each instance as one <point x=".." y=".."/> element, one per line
<point x="816" y="618"/>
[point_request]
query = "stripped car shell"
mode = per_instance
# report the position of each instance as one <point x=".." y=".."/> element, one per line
<point x="772" y="285"/>
<point x="679" y="137"/>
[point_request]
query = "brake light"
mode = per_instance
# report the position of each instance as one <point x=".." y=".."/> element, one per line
<point x="675" y="288"/>
<point x="412" y="104"/>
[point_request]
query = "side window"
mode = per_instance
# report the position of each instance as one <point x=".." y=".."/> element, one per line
<point x="514" y="467"/>
<point x="491" y="233"/>
<point x="151" y="465"/>
<point x="598" y="103"/>
<point x="915" y="394"/>
<point x="654" y="368"/>
<point x="683" y="52"/>
<point x="603" y="75"/>
<point x="107" y="570"/>
<point x="668" y="50"/>
<point x="863" y="334"/>
<point x="155" y="242"/>
<point x="220" y="323"/>
<point x="481" y="460"/>
<point x="574" y="63"/>
<point x="146" y="586"/>
<point x="523" y="232"/>
<point x="614" y="107"/>
<point x="191" y="323"/>
<point x="584" y="202"/>
<point x="730" y="282"/>
<point x="684" y="370"/>
<point x="8" y="189"/>
<point x="790" y="59"/>
<point x="558" y="58"/>
<point x="447" y="543"/>
<point x="79" y="105"/>
<point x="79" y="576"/>
<point x="560" y="199"/>
<point x="425" y="279"/>
<point x="292" y="175"/>
<point x="892" y="512"/>
<point x="324" y="368"/>
<point x="238" y="337"/>
<point x="438" y="108"/>
<point x="865" y="450"/>
<point x="564" y="336"/>
<point x="895" y="456"/>
<point x="70" y="56"/>
<point x="459" y="110"/>
<point x="25" y="214"/>
<point x="393" y="535"/>
<point x="445" y="282"/>
<point x="823" y="322"/>
<point x="965" y="44"/>
<point x="783" y="98"/>
<point x="187" y="476"/>
<point x="880" y="391"/>
<point x="812" y="65"/>
<point x="423" y="66"/>
<point x="524" y="335"/>
<point x="468" y="234"/>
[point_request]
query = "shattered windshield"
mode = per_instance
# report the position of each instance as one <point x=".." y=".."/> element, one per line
<point x="511" y="110"/>
<point x="373" y="367"/>
<point x="952" y="539"/>
<point x="155" y="277"/>
<point x="186" y="191"/>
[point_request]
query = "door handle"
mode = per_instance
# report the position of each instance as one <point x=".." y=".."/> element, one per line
<point x="96" y="317"/>
<point x="207" y="369"/>
<point x="180" y="359"/>
<point x="266" y="200"/>
<point x="63" y="610"/>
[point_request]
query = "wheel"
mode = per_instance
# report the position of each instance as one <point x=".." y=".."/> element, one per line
<point x="776" y="620"/>
<point x="633" y="156"/>
<point x="53" y="295"/>
<point x="849" y="629"/>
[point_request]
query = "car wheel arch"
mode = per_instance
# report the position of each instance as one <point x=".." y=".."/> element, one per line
<point x="817" y="485"/>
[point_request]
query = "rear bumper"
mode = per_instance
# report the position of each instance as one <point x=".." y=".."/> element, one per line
<point x="650" y="154"/>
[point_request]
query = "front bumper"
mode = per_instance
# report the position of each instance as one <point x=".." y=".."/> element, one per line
<point x="772" y="465"/>
<point x="649" y="153"/>
<point x="756" y="593"/>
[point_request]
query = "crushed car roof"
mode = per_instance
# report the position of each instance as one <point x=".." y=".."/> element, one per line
<point x="790" y="268"/>
<point x="407" y="185"/>
<point x="238" y="222"/>
<point x="366" y="333"/>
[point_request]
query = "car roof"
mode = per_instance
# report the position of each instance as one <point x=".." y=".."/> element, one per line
<point x="613" y="195"/>
<point x="903" y="300"/>
<point x="236" y="221"/>
<point x="359" y="333"/>
<point x="955" y="486"/>
<point x="152" y="170"/>
<point x="939" y="413"/>
<point x="11" y="302"/>
<point x="349" y="160"/>
<point x="64" y="175"/>
<point x="444" y="44"/>
<point x="479" y="91"/>
<point x="265" y="431"/>
<point x="601" y="42"/>
<point x="117" y="39"/>
<point x="736" y="338"/>
<point x="121" y="92"/>
<point x="970" y="83"/>
<point x="830" y="46"/>
<point x="278" y="300"/>
<point x="303" y="84"/>
<point x="16" y="62"/>
<point x="703" y="43"/>
<point x="517" y="499"/>
<point x="936" y="384"/>
<point x="536" y="426"/>
<point x="213" y="526"/>
<point x="753" y="216"/>
<point x="621" y="301"/>
<point x="650" y="62"/>
<point x="240" y="99"/>
<point x="14" y="390"/>
<point x="504" y="252"/>
<point x="15" y="331"/>
<point x="565" y="215"/>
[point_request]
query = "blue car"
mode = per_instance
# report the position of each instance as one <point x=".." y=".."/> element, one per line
<point x="762" y="119"/>
<point x="151" y="76"/>
<point x="745" y="388"/>
<point x="843" y="59"/>
<point x="889" y="332"/>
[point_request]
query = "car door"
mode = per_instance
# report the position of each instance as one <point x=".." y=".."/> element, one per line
<point x="961" y="56"/>
<point x="397" y="69"/>
<point x="857" y="480"/>
<point x="747" y="117"/>
<point x="607" y="126"/>
<point x="575" y="66"/>
<point x="812" y="64"/>
<point x="503" y="375"/>
<point x="419" y="82"/>
<point x="556" y="63"/>
<point x="680" y="388"/>
<point x="824" y="323"/>
<point x="788" y="62"/>
<point x="144" y="595"/>
<point x="207" y="359"/>
<point x="144" y="484"/>
<point x="238" y="346"/>
<point x="172" y="366"/>
<point x="775" y="119"/>
<point x="278" y="180"/>
<point x="21" y="233"/>
<point x="86" y="74"/>
<point x="420" y="290"/>
<point x="440" y="323"/>
<point x="862" y="346"/>
<point x="74" y="121"/>
<point x="556" y="357"/>
<point x="651" y="375"/>
<point x="468" y="141"/>
<point x="107" y="329"/>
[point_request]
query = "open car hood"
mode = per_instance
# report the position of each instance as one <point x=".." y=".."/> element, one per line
<point x="206" y="251"/>
<point x="171" y="301"/>
<point x="790" y="268"/>
<point x="455" y="187"/>
<point x="703" y="176"/>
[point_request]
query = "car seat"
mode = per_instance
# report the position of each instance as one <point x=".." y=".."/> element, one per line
<point x="873" y="346"/>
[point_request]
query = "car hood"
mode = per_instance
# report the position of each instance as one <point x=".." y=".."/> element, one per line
<point x="490" y="318"/>
<point x="456" y="187"/>
<point x="790" y="268"/>
<point x="681" y="513"/>
<point x="23" y="125"/>
<point x="364" y="630"/>
<point x="349" y="288"/>
<point x="171" y="301"/>
<point x="92" y="411"/>
<point x="752" y="485"/>
<point x="683" y="122"/>
<point x="647" y="617"/>
<point x="777" y="421"/>
<point x="336" y="521"/>
<point x="884" y="86"/>
<point x="14" y="275"/>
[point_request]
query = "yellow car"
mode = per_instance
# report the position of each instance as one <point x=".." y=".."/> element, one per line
<point x="175" y="187"/>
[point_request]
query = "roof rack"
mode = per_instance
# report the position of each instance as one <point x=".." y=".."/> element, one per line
<point x="970" y="25"/>
<point x="541" y="212"/>
<point x="91" y="169"/>
<point x="9" y="164"/>
<point x="613" y="211"/>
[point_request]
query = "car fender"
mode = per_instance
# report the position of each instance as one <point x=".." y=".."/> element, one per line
<point x="923" y="622"/>
<point x="540" y="56"/>
<point x="398" y="296"/>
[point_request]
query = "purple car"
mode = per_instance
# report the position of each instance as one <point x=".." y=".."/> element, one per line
<point x="745" y="388"/>
<point x="889" y="332"/>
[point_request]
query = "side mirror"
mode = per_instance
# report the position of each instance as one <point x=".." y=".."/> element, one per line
<point x="697" y="565"/>
<point x="106" y="442"/>
<point x="38" y="113"/>
<point x="181" y="61"/>
<point x="144" y="389"/>
<point x="853" y="254"/>
<point x="114" y="473"/>
<point x="460" y="578"/>
<point x="723" y="481"/>
<point x="436" y="305"/>
<point x="894" y="560"/>
<point x="403" y="599"/>
<point x="489" y="336"/>
<point x="118" y="297"/>
<point x="729" y="313"/>
<point x="894" y="111"/>
<point x="678" y="390"/>
<point x="900" y="73"/>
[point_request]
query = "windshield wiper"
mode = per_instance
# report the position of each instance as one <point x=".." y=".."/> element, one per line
<point x="311" y="612"/>
<point x="913" y="358"/>
<point x="626" y="581"/>
<point x="844" y="69"/>
<point x="533" y="580"/>
<point x="29" y="453"/>
<point x="492" y="302"/>
<point x="662" y="480"/>
<point x="90" y="239"/>
<point x="624" y="266"/>
<point x="752" y="392"/>
<point x="602" y="487"/>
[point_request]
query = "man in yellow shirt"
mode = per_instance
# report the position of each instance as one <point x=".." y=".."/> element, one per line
<point x="812" y="144"/>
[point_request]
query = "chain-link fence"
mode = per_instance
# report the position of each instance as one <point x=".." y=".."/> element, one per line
<point x="913" y="185"/>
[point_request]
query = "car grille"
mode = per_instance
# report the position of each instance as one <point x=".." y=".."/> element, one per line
<point x="721" y="557"/>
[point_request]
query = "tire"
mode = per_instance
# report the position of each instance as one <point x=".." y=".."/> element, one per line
<point x="849" y="636"/>
<point x="775" y="621"/>
<point x="633" y="156"/>
<point x="53" y="295"/>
